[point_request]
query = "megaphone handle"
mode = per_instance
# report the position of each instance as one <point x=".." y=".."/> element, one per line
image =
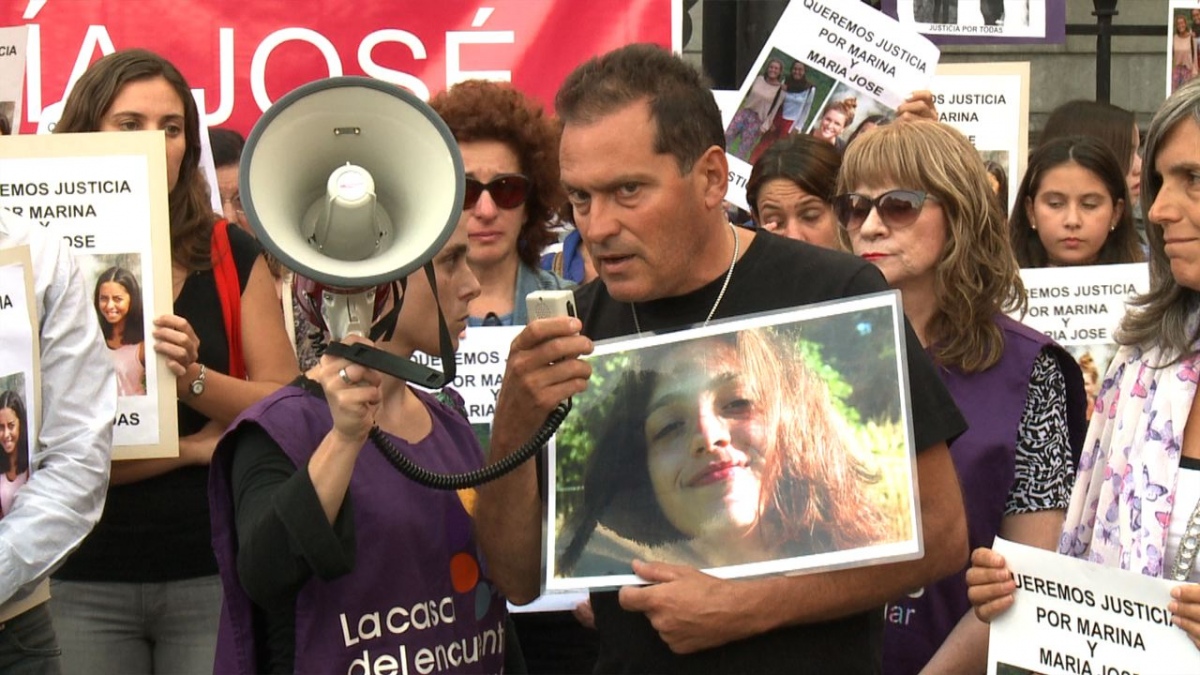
<point x="396" y="366"/>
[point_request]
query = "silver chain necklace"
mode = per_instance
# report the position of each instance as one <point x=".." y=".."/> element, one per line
<point x="737" y="247"/>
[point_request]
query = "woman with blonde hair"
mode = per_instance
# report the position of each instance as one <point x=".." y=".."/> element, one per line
<point x="915" y="200"/>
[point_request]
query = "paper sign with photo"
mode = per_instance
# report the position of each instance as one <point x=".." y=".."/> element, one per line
<point x="1183" y="42"/>
<point x="989" y="103"/>
<point x="1081" y="309"/>
<point x="710" y="447"/>
<point x="106" y="195"/>
<point x="826" y="70"/>
<point x="13" y="42"/>
<point x="974" y="18"/>
<point x="20" y="373"/>
<point x="1074" y="616"/>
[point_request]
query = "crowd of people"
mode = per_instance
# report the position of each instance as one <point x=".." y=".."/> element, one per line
<point x="279" y="541"/>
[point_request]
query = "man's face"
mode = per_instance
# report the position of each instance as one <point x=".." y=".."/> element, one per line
<point x="633" y="208"/>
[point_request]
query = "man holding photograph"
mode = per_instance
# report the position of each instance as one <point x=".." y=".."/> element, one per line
<point x="644" y="165"/>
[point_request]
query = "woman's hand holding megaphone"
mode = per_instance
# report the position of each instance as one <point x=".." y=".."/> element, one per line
<point x="353" y="392"/>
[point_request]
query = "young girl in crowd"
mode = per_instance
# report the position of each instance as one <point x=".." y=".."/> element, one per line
<point x="1115" y="127"/>
<point x="118" y="301"/>
<point x="141" y="594"/>
<point x="1072" y="208"/>
<point x="1142" y="423"/>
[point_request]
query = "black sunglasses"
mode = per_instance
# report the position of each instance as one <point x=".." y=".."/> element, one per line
<point x="508" y="190"/>
<point x="897" y="208"/>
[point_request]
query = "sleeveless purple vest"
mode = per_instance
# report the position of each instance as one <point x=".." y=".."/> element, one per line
<point x="985" y="460"/>
<point x="417" y="601"/>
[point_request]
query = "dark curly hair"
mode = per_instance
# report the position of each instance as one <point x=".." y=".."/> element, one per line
<point x="481" y="110"/>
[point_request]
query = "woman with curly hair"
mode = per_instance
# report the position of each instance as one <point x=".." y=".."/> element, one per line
<point x="1073" y="208"/>
<point x="722" y="451"/>
<point x="510" y="154"/>
<point x="916" y="202"/>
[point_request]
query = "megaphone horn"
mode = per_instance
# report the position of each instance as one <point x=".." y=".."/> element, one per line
<point x="352" y="182"/>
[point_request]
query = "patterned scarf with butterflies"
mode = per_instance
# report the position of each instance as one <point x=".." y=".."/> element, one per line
<point x="1121" y="504"/>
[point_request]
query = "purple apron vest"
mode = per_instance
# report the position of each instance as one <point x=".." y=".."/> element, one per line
<point x="418" y="600"/>
<point x="985" y="460"/>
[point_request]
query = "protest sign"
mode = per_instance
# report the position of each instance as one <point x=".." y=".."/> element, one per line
<point x="989" y="103"/>
<point x="245" y="55"/>
<point x="824" y="70"/>
<point x="1077" y="617"/>
<point x="106" y="195"/>
<point x="1183" y="42"/>
<point x="975" y="21"/>
<point x="20" y="371"/>
<point x="12" y="76"/>
<point x="1081" y="308"/>
<point x="629" y="481"/>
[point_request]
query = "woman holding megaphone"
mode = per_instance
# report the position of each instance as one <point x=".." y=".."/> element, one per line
<point x="141" y="594"/>
<point x="333" y="560"/>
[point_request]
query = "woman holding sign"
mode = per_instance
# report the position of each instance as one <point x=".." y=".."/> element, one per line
<point x="1136" y="501"/>
<point x="141" y="594"/>
<point x="917" y="202"/>
<point x="118" y="300"/>
<point x="1072" y="208"/>
<point x="14" y="448"/>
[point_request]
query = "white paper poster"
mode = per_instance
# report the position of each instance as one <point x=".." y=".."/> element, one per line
<point x="826" y="68"/>
<point x="106" y="195"/>
<point x="20" y="373"/>
<point x="13" y="41"/>
<point x="1070" y="616"/>
<point x="989" y="103"/>
<point x="1081" y="308"/>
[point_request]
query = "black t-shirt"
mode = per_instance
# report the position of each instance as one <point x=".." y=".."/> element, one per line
<point x="158" y="529"/>
<point x="775" y="273"/>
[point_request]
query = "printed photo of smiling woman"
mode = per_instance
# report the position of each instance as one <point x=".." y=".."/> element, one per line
<point x="717" y="451"/>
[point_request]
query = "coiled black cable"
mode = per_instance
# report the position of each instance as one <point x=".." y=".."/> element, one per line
<point x="470" y="479"/>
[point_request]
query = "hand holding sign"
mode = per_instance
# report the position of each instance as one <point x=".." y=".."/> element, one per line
<point x="990" y="584"/>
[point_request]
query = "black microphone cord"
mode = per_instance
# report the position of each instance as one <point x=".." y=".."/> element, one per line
<point x="470" y="479"/>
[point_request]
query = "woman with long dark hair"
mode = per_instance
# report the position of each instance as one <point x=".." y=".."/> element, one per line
<point x="141" y="594"/>
<point x="1073" y="208"/>
<point x="118" y="301"/>
<point x="14" y="447"/>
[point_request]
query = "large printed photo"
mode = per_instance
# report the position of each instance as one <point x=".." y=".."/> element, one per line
<point x="776" y="444"/>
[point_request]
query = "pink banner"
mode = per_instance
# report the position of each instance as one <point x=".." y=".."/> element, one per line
<point x="244" y="54"/>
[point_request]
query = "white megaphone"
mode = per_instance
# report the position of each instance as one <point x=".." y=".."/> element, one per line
<point x="352" y="183"/>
